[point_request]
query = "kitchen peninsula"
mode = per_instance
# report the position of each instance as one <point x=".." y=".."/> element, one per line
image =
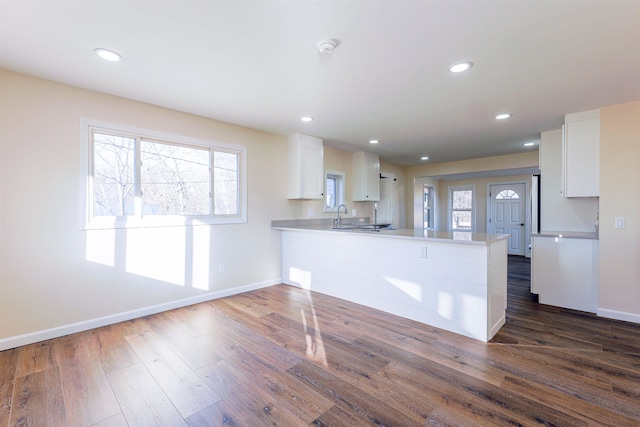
<point x="451" y="280"/>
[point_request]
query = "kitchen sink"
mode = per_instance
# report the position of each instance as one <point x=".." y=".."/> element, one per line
<point x="363" y="227"/>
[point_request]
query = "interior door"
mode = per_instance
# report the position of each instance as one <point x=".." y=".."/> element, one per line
<point x="507" y="214"/>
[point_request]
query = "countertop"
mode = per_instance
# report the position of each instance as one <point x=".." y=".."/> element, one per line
<point x="568" y="234"/>
<point x="323" y="226"/>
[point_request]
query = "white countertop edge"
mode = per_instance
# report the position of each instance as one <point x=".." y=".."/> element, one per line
<point x="592" y="235"/>
<point x="408" y="234"/>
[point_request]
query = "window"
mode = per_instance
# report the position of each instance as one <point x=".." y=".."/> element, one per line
<point x="507" y="195"/>
<point x="428" y="207"/>
<point x="334" y="190"/>
<point x="143" y="178"/>
<point x="461" y="214"/>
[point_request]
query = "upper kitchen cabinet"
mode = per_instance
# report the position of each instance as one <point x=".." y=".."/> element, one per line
<point x="366" y="177"/>
<point x="581" y="154"/>
<point x="306" y="170"/>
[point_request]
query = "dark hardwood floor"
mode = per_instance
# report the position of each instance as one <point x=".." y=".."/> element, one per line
<point x="287" y="357"/>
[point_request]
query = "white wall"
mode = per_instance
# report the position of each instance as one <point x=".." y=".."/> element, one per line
<point x="53" y="273"/>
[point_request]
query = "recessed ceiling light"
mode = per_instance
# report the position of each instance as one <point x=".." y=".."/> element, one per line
<point x="373" y="141"/>
<point x="461" y="66"/>
<point x="529" y="144"/>
<point x="503" y="116"/>
<point x="306" y="119"/>
<point x="107" y="54"/>
<point x="424" y="158"/>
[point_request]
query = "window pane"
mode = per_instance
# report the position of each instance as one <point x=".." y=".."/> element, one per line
<point x="428" y="202"/>
<point x="174" y="179"/>
<point x="331" y="192"/>
<point x="462" y="199"/>
<point x="225" y="183"/>
<point x="507" y="194"/>
<point x="113" y="175"/>
<point x="461" y="220"/>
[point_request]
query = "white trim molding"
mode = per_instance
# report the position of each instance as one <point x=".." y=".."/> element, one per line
<point x="619" y="315"/>
<point x="46" y="334"/>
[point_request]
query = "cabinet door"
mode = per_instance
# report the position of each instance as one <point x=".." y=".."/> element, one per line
<point x="306" y="170"/>
<point x="372" y="177"/>
<point x="564" y="272"/>
<point x="312" y="171"/>
<point x="581" y="154"/>
<point x="366" y="177"/>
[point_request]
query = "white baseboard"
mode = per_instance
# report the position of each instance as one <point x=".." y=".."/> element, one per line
<point x="46" y="334"/>
<point x="619" y="315"/>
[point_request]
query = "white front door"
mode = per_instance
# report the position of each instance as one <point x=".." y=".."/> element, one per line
<point x="507" y="214"/>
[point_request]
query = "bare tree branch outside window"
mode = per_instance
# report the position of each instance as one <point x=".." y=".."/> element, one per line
<point x="113" y="175"/>
<point x="461" y="209"/>
<point x="176" y="180"/>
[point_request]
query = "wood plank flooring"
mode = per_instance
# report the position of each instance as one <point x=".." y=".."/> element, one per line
<point x="282" y="356"/>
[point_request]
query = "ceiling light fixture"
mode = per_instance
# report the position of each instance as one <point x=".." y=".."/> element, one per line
<point x="424" y="158"/>
<point x="373" y="141"/>
<point x="327" y="47"/>
<point x="108" y="55"/>
<point x="529" y="144"/>
<point x="461" y="66"/>
<point x="306" y="119"/>
<point x="503" y="116"/>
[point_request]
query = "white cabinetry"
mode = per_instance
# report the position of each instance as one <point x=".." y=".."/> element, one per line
<point x="564" y="272"/>
<point x="366" y="177"/>
<point x="581" y="154"/>
<point x="306" y="170"/>
<point x="459" y="287"/>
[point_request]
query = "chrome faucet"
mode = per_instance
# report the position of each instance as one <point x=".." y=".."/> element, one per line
<point x="337" y="221"/>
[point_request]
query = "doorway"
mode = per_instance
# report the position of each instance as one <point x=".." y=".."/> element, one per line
<point x="507" y="214"/>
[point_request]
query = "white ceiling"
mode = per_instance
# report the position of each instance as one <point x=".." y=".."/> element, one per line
<point x="256" y="64"/>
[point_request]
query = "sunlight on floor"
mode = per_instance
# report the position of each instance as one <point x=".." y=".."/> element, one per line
<point x="313" y="337"/>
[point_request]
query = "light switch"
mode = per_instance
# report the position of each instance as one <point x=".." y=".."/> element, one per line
<point x="619" y="222"/>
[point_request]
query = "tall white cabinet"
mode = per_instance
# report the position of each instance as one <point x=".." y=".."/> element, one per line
<point x="581" y="154"/>
<point x="306" y="167"/>
<point x="366" y="177"/>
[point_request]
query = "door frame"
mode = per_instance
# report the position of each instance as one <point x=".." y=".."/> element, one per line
<point x="527" y="211"/>
<point x="393" y="180"/>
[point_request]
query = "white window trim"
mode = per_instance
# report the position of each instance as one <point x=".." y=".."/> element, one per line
<point x="341" y="191"/>
<point x="88" y="223"/>
<point x="473" y="206"/>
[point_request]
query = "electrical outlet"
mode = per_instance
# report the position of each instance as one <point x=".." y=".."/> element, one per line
<point x="353" y="212"/>
<point x="310" y="213"/>
<point x="221" y="268"/>
<point x="619" y="222"/>
<point x="423" y="252"/>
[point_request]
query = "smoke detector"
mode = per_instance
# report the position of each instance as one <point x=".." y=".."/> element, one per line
<point x="327" y="47"/>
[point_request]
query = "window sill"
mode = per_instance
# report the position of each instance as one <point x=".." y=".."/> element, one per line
<point x="151" y="222"/>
